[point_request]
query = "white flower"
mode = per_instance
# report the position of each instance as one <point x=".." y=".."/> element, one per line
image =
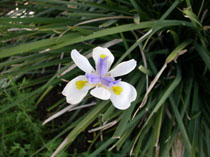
<point x="101" y="80"/>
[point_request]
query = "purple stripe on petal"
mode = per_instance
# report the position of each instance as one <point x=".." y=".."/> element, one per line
<point x="92" y="78"/>
<point x="109" y="81"/>
<point x="101" y="68"/>
<point x="117" y="81"/>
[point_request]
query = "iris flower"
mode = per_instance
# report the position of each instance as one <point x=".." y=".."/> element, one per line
<point x="101" y="81"/>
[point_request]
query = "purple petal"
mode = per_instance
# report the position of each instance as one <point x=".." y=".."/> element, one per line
<point x="109" y="81"/>
<point x="92" y="78"/>
<point x="101" y="68"/>
<point x="116" y="82"/>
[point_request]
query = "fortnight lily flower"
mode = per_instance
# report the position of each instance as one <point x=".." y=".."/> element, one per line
<point x="101" y="81"/>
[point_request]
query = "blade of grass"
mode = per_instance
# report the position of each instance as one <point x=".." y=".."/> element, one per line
<point x="204" y="54"/>
<point x="180" y="124"/>
<point x="92" y="115"/>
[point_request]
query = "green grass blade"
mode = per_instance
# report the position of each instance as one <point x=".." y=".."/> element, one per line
<point x="180" y="123"/>
<point x="204" y="54"/>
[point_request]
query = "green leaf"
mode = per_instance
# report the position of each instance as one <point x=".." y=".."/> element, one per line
<point x="90" y="117"/>
<point x="204" y="54"/>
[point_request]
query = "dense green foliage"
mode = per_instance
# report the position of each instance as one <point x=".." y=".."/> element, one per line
<point x="169" y="40"/>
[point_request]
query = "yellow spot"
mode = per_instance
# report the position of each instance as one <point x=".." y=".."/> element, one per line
<point x="103" y="56"/>
<point x="80" y="84"/>
<point x="117" y="90"/>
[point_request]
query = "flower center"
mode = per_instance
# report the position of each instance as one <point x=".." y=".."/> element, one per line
<point x="80" y="84"/>
<point x="101" y="77"/>
<point x="117" y="90"/>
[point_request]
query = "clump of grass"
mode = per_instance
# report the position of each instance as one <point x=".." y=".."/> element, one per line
<point x="170" y="42"/>
<point x="20" y="131"/>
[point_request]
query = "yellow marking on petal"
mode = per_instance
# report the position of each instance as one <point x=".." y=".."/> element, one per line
<point x="117" y="90"/>
<point x="80" y="84"/>
<point x="103" y="56"/>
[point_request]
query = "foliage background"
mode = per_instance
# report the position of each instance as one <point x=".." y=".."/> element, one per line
<point x="166" y="37"/>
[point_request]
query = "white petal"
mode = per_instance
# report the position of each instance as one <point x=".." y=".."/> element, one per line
<point x="123" y="68"/>
<point x="81" y="61"/>
<point x="98" y="51"/>
<point x="72" y="93"/>
<point x="101" y="93"/>
<point x="124" y="99"/>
